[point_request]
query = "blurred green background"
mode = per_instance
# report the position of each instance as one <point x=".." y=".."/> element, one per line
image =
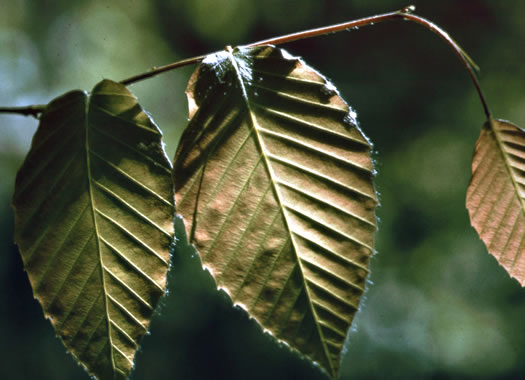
<point x="438" y="306"/>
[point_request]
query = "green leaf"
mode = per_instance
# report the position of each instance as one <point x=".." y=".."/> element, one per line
<point x="274" y="181"/>
<point x="496" y="194"/>
<point x="94" y="222"/>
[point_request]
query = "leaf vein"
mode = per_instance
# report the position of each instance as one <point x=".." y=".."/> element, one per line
<point x="74" y="304"/>
<point x="231" y="210"/>
<point x="332" y="274"/>
<point x="312" y="126"/>
<point x="55" y="252"/>
<point x="300" y="100"/>
<point x="324" y="202"/>
<point x="332" y="294"/>
<point x="333" y="253"/>
<point x="136" y="212"/>
<point x="302" y="144"/>
<point x="131" y="263"/>
<point x="124" y="355"/>
<point x="127" y="121"/>
<point x="133" y="149"/>
<point x="124" y="333"/>
<point x="133" y="179"/>
<point x="133" y="237"/>
<point x="128" y="288"/>
<point x="318" y="175"/>
<point x="327" y="226"/>
<point x="126" y="311"/>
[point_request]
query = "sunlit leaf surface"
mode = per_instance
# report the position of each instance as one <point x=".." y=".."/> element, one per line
<point x="496" y="194"/>
<point x="274" y="181"/>
<point x="94" y="221"/>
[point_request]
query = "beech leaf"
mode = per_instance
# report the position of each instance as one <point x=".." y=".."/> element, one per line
<point x="274" y="181"/>
<point x="94" y="222"/>
<point x="496" y="194"/>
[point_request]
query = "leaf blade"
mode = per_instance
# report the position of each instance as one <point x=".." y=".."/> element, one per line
<point x="495" y="196"/>
<point x="275" y="187"/>
<point x="95" y="238"/>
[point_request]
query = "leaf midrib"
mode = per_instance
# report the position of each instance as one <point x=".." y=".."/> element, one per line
<point x="271" y="174"/>
<point x="97" y="233"/>
<point x="510" y="170"/>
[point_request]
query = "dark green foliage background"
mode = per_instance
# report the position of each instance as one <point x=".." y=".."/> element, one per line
<point x="440" y="305"/>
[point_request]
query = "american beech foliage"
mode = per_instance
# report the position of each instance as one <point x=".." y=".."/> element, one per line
<point x="94" y="222"/>
<point x="496" y="194"/>
<point x="274" y="181"/>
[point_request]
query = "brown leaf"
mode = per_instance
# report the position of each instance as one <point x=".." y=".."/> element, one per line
<point x="274" y="181"/>
<point x="496" y="194"/>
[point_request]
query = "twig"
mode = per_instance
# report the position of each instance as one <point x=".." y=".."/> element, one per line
<point x="162" y="69"/>
<point x="467" y="61"/>
<point x="34" y="110"/>
<point x="403" y="14"/>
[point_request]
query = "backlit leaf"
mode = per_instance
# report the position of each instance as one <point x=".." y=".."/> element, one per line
<point x="274" y="181"/>
<point x="94" y="221"/>
<point x="496" y="194"/>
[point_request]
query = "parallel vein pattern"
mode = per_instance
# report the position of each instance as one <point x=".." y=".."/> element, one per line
<point x="94" y="221"/>
<point x="274" y="182"/>
<point x="496" y="194"/>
